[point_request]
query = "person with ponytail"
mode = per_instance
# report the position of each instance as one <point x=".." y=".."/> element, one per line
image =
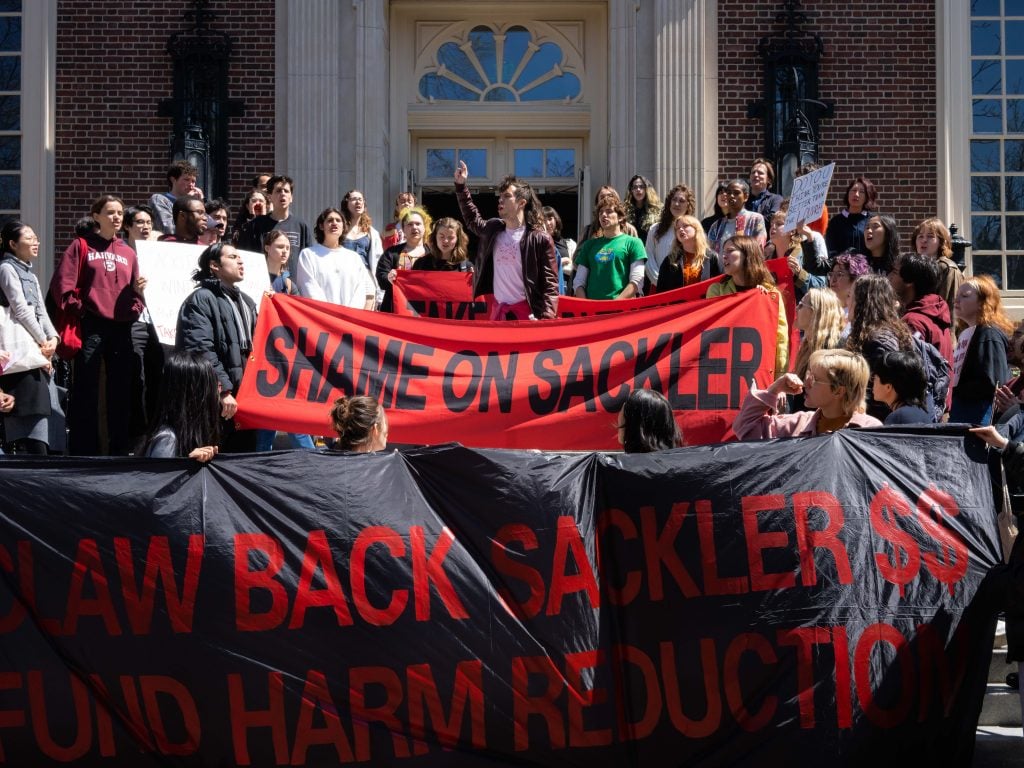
<point x="361" y="424"/>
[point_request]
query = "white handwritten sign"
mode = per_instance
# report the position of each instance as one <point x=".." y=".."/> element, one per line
<point x="808" y="197"/>
<point x="168" y="269"/>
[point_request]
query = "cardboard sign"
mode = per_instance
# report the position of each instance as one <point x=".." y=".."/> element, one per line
<point x="808" y="197"/>
<point x="168" y="268"/>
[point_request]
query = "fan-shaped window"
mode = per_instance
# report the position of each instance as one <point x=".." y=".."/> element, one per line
<point x="507" y="67"/>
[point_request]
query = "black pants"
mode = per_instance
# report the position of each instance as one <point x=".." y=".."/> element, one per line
<point x="106" y="344"/>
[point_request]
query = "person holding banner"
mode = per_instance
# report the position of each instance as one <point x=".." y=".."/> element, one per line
<point x="327" y="271"/>
<point x="447" y="248"/>
<point x="97" y="280"/>
<point x="744" y="267"/>
<point x="610" y="266"/>
<point x="834" y="387"/>
<point x="515" y="258"/>
<point x="690" y="261"/>
<point x="217" y="322"/>
<point x="416" y="224"/>
<point x="361" y="424"/>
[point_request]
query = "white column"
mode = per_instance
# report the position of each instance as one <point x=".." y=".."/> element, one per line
<point x="370" y="94"/>
<point x="309" y="119"/>
<point x="38" y="107"/>
<point x="686" y="95"/>
<point x="622" y="106"/>
<point x="331" y="114"/>
<point x="952" y="29"/>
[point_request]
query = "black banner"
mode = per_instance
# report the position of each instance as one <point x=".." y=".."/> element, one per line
<point x="740" y="604"/>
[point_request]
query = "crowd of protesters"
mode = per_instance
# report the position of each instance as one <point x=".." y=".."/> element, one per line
<point x="867" y="308"/>
<point x="887" y="334"/>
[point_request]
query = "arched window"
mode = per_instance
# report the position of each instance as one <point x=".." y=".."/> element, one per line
<point x="495" y="66"/>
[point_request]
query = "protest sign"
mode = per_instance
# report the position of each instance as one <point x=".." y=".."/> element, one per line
<point x="808" y="197"/>
<point x="555" y="384"/>
<point x="168" y="268"/>
<point x="769" y="604"/>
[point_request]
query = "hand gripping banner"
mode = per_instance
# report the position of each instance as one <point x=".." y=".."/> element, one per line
<point x="554" y="385"/>
<point x="738" y="605"/>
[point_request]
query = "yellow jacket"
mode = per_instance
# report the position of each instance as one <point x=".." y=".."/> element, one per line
<point x="727" y="286"/>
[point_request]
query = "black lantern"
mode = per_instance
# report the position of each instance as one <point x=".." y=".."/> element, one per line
<point x="200" y="106"/>
<point x="791" y="108"/>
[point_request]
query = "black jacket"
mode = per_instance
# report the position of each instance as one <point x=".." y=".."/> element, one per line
<point x="207" y="325"/>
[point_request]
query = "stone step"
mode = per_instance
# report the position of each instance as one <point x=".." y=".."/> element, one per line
<point x="1001" y="707"/>
<point x="998" y="669"/>
<point x="996" y="747"/>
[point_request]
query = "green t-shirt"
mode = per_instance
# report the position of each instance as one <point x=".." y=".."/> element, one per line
<point x="608" y="260"/>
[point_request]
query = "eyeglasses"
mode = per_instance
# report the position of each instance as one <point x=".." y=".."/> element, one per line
<point x="810" y="380"/>
<point x="836" y="274"/>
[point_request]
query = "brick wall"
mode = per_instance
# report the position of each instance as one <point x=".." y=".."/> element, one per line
<point x="878" y="68"/>
<point x="113" y="70"/>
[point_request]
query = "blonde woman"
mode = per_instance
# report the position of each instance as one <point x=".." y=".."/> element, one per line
<point x="820" y="318"/>
<point x="689" y="261"/>
<point x="834" y="386"/>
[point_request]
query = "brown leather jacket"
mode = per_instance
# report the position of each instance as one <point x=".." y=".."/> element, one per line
<point x="538" y="252"/>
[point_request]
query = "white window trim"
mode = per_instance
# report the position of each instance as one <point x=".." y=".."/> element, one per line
<point x="38" y="78"/>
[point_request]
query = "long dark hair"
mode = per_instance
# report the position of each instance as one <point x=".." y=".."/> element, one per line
<point x="875" y="313"/>
<point x="891" y="254"/>
<point x="189" y="402"/>
<point x="649" y="423"/>
<point x="9" y="235"/>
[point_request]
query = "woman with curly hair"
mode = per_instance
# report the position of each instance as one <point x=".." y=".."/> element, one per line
<point x="690" y="261"/>
<point x="881" y="244"/>
<point x="643" y="206"/>
<point x="876" y="328"/>
<point x="931" y="238"/>
<point x="744" y="268"/>
<point x="979" y="359"/>
<point x="662" y="237"/>
<point x="820" y="318"/>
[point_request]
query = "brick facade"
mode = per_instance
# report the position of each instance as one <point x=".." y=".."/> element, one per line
<point x="879" y="69"/>
<point x="113" y="69"/>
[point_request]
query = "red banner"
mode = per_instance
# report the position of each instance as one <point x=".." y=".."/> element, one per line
<point x="424" y="293"/>
<point x="552" y="385"/>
